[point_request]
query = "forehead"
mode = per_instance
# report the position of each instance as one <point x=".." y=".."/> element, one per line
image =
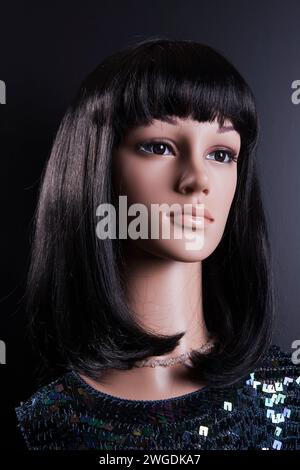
<point x="186" y="124"/>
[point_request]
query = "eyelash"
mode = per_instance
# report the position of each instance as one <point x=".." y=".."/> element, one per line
<point x="230" y="154"/>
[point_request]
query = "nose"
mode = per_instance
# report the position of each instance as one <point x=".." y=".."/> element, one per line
<point x="194" y="179"/>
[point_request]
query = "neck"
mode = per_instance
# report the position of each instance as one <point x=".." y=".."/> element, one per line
<point x="166" y="297"/>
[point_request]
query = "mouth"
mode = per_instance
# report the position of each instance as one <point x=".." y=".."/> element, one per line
<point x="189" y="218"/>
<point x="189" y="221"/>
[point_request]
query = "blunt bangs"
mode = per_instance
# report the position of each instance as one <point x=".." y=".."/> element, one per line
<point x="159" y="79"/>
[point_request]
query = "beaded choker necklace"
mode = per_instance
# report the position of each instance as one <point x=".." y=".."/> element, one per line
<point x="175" y="360"/>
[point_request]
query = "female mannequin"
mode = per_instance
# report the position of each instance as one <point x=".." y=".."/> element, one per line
<point x="162" y="122"/>
<point x="163" y="279"/>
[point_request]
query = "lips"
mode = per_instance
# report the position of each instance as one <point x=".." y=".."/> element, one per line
<point x="194" y="212"/>
<point x="191" y="217"/>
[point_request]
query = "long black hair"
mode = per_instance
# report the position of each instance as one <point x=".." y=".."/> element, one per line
<point x="79" y="317"/>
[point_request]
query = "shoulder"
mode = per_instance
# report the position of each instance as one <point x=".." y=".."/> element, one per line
<point x="39" y="415"/>
<point x="278" y="364"/>
<point x="274" y="386"/>
<point x="277" y="379"/>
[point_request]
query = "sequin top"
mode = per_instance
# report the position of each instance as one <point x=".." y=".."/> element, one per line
<point x="261" y="411"/>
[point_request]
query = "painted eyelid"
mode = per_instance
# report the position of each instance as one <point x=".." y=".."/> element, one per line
<point x="145" y="144"/>
<point x="231" y="152"/>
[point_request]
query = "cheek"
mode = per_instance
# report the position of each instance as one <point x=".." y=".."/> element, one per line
<point x="230" y="188"/>
<point x="224" y="194"/>
<point x="138" y="180"/>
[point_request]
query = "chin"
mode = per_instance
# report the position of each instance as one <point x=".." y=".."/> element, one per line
<point x="176" y="250"/>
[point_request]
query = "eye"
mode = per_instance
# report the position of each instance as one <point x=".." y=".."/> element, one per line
<point x="158" y="147"/>
<point x="221" y="154"/>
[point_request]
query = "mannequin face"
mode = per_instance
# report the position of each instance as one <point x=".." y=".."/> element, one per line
<point x="187" y="162"/>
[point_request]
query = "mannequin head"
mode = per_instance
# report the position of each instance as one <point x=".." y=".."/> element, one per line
<point x="186" y="172"/>
<point x="186" y="93"/>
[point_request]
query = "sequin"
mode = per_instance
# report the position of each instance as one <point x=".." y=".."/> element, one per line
<point x="70" y="414"/>
<point x="278" y="431"/>
<point x="203" y="430"/>
<point x="227" y="406"/>
<point x="277" y="445"/>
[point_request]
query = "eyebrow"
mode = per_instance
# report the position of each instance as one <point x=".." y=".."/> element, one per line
<point x="221" y="130"/>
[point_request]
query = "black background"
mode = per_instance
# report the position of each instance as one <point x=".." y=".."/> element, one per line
<point x="48" y="48"/>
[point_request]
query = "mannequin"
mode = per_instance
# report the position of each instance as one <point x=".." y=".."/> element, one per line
<point x="163" y="123"/>
<point x="163" y="279"/>
<point x="200" y="114"/>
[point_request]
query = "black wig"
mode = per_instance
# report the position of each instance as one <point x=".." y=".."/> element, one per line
<point x="79" y="317"/>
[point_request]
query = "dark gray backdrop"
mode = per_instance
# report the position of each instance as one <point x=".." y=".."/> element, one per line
<point x="46" y="50"/>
